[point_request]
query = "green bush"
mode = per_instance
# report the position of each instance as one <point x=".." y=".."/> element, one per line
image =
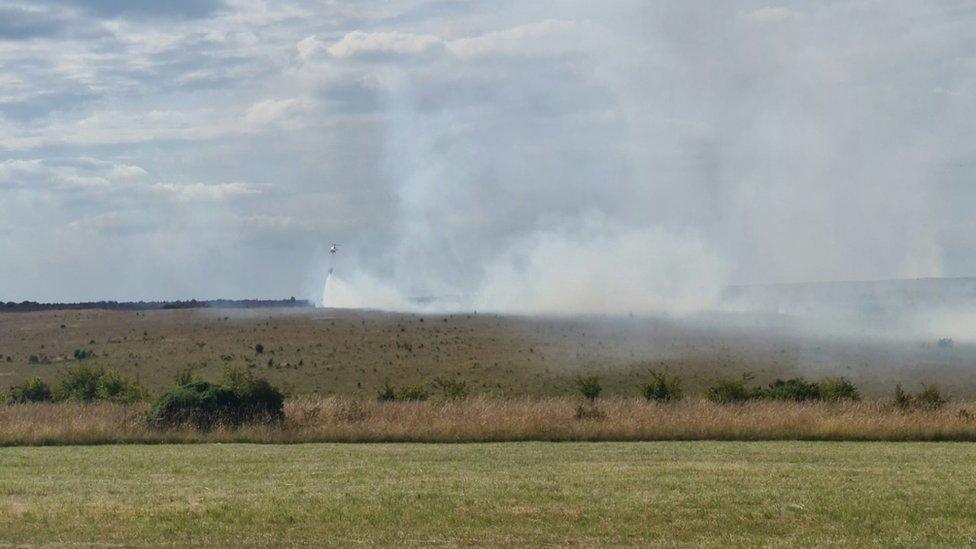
<point x="901" y="399"/>
<point x="451" y="389"/>
<point x="589" y="387"/>
<point x="114" y="388"/>
<point x="88" y="383"/>
<point x="83" y="354"/>
<point x="203" y="405"/>
<point x="186" y="375"/>
<point x="34" y="390"/>
<point x="929" y="399"/>
<point x="663" y="388"/>
<point x="387" y="393"/>
<point x="730" y="391"/>
<point x="259" y="400"/>
<point x="835" y="389"/>
<point x="79" y="383"/>
<point x="413" y="392"/>
<point x="200" y="404"/>
<point x="796" y="389"/>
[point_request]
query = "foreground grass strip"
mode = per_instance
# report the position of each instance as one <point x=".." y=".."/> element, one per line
<point x="701" y="493"/>
<point x="494" y="420"/>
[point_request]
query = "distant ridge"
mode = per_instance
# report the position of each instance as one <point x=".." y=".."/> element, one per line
<point x="32" y="306"/>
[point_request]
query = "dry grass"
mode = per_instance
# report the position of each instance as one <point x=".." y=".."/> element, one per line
<point x="495" y="420"/>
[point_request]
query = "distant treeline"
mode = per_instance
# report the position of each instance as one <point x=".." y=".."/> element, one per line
<point x="31" y="306"/>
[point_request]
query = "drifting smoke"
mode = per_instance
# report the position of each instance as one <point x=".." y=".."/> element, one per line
<point x="364" y="293"/>
<point x="545" y="155"/>
<point x="644" y="157"/>
<point x="594" y="271"/>
<point x="589" y="270"/>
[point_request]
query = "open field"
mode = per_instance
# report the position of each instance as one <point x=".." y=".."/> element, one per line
<point x="704" y="493"/>
<point x="320" y="351"/>
<point x="479" y="419"/>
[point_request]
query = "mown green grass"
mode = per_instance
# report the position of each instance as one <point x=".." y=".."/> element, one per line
<point x="711" y="493"/>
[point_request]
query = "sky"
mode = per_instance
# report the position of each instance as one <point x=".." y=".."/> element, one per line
<point x="509" y="155"/>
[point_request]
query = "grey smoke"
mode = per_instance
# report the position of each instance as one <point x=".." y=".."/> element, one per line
<point x="517" y="156"/>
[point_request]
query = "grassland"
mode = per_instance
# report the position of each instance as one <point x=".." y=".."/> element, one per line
<point x="341" y="419"/>
<point x="352" y="353"/>
<point x="704" y="493"/>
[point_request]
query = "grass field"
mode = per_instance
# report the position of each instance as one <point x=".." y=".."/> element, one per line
<point x="701" y="493"/>
<point x="322" y="351"/>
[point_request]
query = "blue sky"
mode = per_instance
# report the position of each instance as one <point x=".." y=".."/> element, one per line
<point x="515" y="151"/>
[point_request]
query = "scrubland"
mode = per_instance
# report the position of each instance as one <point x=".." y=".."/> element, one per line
<point x="84" y="461"/>
<point x="353" y="353"/>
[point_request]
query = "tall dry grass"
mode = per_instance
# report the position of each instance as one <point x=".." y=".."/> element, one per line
<point x="490" y="420"/>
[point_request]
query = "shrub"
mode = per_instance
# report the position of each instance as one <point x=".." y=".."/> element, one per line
<point x="200" y="404"/>
<point x="80" y="383"/>
<point x="929" y="399"/>
<point x="203" y="405"/>
<point x="413" y="392"/>
<point x="258" y="349"/>
<point x="83" y="354"/>
<point x="114" y="388"/>
<point x="87" y="383"/>
<point x="258" y="399"/>
<point x="589" y="387"/>
<point x="451" y="389"/>
<point x="186" y="375"/>
<point x="34" y="390"/>
<point x="836" y="389"/>
<point x="729" y="391"/>
<point x="796" y="389"/>
<point x="387" y="393"/>
<point x="901" y="399"/>
<point x="663" y="388"/>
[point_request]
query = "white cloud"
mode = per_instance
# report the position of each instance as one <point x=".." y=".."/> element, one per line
<point x="549" y="36"/>
<point x="359" y="43"/>
<point x="116" y="222"/>
<point x="50" y="175"/>
<point x="272" y="111"/>
<point x="110" y="127"/>
<point x="307" y="47"/>
<point x="203" y="191"/>
<point x="543" y="37"/>
<point x="770" y="14"/>
<point x="273" y="223"/>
